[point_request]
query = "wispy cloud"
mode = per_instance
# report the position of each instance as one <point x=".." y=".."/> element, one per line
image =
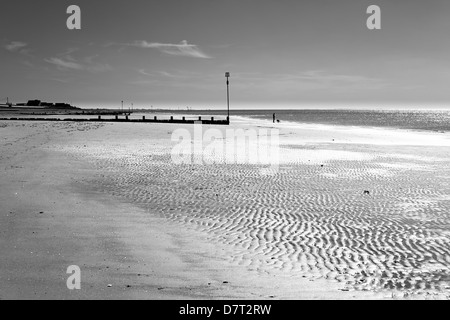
<point x="180" y="74"/>
<point x="181" y="49"/>
<point x="69" y="63"/>
<point x="62" y="64"/>
<point x="145" y="73"/>
<point x="17" y="46"/>
<point x="171" y="75"/>
<point x="163" y="74"/>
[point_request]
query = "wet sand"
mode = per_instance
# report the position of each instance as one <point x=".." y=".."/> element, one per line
<point x="108" y="198"/>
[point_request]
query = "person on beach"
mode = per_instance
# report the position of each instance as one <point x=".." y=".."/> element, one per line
<point x="274" y="117"/>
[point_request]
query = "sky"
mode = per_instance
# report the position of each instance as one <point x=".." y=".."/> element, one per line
<point x="174" y="54"/>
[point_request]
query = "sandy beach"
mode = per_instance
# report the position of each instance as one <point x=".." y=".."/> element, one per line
<point x="351" y="213"/>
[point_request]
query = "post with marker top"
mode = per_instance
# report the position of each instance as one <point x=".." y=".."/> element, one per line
<point x="227" y="75"/>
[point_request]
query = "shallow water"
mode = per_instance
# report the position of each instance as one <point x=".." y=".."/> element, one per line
<point x="428" y="120"/>
<point x="307" y="219"/>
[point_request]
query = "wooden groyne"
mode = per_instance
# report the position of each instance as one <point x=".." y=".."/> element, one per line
<point x="172" y="120"/>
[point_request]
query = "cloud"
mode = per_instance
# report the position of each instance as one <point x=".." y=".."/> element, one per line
<point x="71" y="64"/>
<point x="61" y="64"/>
<point x="179" y="74"/>
<point x="15" y="46"/>
<point x="143" y="72"/>
<point x="163" y="73"/>
<point x="181" y="49"/>
<point x="170" y="75"/>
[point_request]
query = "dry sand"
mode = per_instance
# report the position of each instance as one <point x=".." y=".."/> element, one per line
<point x="108" y="198"/>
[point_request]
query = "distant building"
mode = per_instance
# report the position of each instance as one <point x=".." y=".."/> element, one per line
<point x="46" y="104"/>
<point x="49" y="105"/>
<point x="62" y="105"/>
<point x="33" y="103"/>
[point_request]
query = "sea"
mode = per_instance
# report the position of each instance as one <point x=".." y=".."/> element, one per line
<point x="428" y="120"/>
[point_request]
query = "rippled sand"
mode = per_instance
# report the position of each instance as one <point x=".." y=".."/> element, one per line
<point x="312" y="218"/>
